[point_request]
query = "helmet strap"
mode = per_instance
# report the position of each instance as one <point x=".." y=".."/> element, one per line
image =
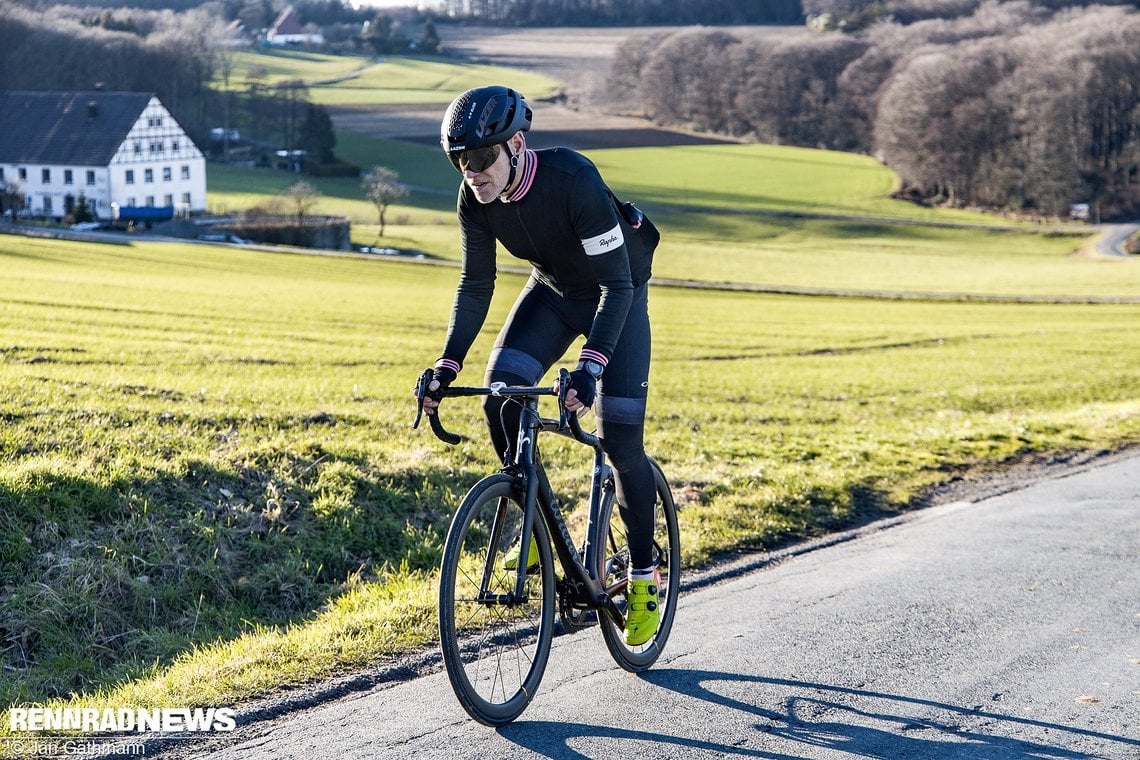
<point x="514" y="162"/>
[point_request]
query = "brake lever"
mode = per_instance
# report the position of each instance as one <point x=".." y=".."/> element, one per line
<point x="566" y="418"/>
<point x="421" y="391"/>
<point x="436" y="426"/>
<point x="563" y="389"/>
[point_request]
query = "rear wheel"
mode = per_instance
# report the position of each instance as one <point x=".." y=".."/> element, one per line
<point x="494" y="648"/>
<point x="614" y="568"/>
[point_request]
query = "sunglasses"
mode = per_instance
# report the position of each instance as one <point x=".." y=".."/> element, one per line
<point x="477" y="159"/>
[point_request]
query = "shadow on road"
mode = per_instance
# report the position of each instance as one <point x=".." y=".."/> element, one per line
<point x="832" y="719"/>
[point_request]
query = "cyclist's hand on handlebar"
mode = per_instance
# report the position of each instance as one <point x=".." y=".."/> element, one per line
<point x="583" y="388"/>
<point x="441" y="378"/>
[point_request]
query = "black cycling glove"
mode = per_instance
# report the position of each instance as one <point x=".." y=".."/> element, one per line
<point x="445" y="377"/>
<point x="584" y="385"/>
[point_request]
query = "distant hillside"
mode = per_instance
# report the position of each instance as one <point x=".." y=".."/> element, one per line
<point x="1011" y="106"/>
<point x="500" y="12"/>
<point x="852" y="15"/>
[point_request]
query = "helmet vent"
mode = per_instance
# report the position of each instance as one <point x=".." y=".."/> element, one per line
<point x="457" y="127"/>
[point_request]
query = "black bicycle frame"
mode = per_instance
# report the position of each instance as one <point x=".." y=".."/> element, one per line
<point x="587" y="589"/>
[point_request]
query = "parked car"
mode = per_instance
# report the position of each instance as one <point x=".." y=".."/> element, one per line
<point x="87" y="226"/>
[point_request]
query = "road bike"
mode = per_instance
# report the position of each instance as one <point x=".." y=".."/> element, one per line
<point x="497" y="618"/>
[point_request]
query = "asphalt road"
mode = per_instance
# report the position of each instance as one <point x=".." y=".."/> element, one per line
<point x="1003" y="628"/>
<point x="1112" y="239"/>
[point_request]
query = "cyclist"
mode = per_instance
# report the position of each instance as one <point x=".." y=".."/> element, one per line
<point x="589" y="278"/>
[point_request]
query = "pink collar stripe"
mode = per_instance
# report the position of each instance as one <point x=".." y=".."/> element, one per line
<point x="527" y="178"/>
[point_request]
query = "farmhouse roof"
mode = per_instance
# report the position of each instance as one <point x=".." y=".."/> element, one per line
<point x="80" y="128"/>
<point x="287" y="23"/>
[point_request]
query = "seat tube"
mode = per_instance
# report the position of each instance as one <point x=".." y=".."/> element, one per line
<point x="595" y="541"/>
<point x="524" y="459"/>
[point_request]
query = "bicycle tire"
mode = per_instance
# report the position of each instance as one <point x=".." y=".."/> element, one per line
<point x="494" y="655"/>
<point x="613" y="564"/>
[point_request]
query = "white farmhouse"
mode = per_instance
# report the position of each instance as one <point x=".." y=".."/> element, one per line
<point x="119" y="150"/>
<point x="287" y="30"/>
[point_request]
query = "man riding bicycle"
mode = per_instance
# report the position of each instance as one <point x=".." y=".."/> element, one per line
<point x="590" y="272"/>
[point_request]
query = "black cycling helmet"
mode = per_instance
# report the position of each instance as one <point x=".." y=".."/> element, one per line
<point x="482" y="117"/>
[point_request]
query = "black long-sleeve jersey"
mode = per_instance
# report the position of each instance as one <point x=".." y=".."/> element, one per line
<point x="562" y="219"/>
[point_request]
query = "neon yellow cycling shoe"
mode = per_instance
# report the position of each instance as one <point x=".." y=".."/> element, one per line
<point x="511" y="559"/>
<point x="641" y="616"/>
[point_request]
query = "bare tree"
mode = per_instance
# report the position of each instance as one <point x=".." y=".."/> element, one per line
<point x="792" y="92"/>
<point x="680" y="77"/>
<point x="301" y="197"/>
<point x="382" y="187"/>
<point x="11" y="199"/>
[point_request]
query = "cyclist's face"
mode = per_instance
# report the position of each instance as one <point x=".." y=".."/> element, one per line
<point x="490" y="182"/>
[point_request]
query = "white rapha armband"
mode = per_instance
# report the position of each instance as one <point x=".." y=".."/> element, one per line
<point x="604" y="243"/>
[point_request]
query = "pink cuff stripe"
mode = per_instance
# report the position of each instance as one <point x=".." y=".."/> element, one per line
<point x="590" y="355"/>
<point x="451" y="364"/>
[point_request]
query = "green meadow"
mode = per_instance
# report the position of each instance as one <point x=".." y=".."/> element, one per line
<point x="400" y="80"/>
<point x="210" y="491"/>
<point x="725" y="226"/>
<point x="358" y="81"/>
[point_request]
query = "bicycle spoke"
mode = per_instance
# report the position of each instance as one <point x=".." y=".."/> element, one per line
<point x="495" y="652"/>
<point x="614" y="568"/>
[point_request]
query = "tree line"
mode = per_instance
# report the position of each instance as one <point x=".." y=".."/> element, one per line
<point x="64" y="48"/>
<point x="853" y="15"/>
<point x="624" y="12"/>
<point x="1010" y="105"/>
<point x="177" y="56"/>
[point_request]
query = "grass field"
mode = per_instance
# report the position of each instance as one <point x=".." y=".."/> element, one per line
<point x="724" y="227"/>
<point x="210" y="489"/>
<point x="288" y="65"/>
<point x="345" y="80"/>
<point x="208" y="485"/>
<point x="425" y="81"/>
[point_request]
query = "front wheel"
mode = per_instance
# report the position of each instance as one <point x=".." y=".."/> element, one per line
<point x="613" y="560"/>
<point x="494" y="647"/>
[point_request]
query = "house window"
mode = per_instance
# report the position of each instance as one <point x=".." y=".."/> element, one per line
<point x="130" y="177"/>
<point x="174" y="145"/>
<point x="148" y="175"/>
<point x="168" y="200"/>
<point x="186" y="198"/>
<point x="67" y="179"/>
<point x="90" y="176"/>
<point x="166" y="174"/>
<point x="23" y="174"/>
<point x="150" y="201"/>
<point x="47" y="205"/>
<point x="154" y="121"/>
<point x="138" y="147"/>
<point x="45" y="175"/>
<point x="130" y="201"/>
<point x="185" y="172"/>
<point x="1" y="173"/>
<point x="156" y="146"/>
